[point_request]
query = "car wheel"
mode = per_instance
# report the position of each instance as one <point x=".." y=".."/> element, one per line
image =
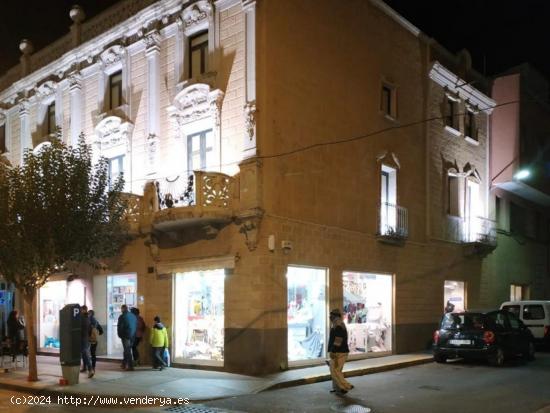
<point x="497" y="358"/>
<point x="530" y="352"/>
<point x="440" y="358"/>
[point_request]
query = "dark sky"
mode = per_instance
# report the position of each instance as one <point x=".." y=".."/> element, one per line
<point x="498" y="33"/>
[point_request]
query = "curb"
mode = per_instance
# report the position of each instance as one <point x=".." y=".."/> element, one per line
<point x="351" y="373"/>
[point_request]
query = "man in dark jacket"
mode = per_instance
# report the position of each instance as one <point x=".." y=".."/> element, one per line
<point x="126" y="329"/>
<point x="338" y="352"/>
<point x="85" y="329"/>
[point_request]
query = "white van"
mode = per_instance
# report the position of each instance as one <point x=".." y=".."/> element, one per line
<point x="535" y="315"/>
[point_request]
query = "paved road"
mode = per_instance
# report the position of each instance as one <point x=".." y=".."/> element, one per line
<point x="456" y="387"/>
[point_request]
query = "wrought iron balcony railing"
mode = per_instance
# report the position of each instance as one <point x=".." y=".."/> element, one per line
<point x="393" y="221"/>
<point x="471" y="229"/>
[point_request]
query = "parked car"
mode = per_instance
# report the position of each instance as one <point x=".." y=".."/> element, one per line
<point x="535" y="315"/>
<point x="492" y="336"/>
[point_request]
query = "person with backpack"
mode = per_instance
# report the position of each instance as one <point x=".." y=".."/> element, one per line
<point x="159" y="342"/>
<point x="95" y="331"/>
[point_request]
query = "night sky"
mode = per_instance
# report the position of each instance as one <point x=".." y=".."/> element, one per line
<point x="498" y="33"/>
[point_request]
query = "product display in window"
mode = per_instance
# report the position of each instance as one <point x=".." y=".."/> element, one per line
<point x="199" y="317"/>
<point x="306" y="313"/>
<point x="367" y="311"/>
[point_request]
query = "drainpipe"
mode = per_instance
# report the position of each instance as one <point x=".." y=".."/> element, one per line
<point x="427" y="43"/>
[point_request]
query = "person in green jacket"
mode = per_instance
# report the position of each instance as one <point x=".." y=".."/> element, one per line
<point x="159" y="341"/>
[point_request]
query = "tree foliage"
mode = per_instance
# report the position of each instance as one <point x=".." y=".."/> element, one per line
<point x="57" y="209"/>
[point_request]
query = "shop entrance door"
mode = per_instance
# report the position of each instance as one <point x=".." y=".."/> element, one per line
<point x="306" y="313"/>
<point x="199" y="317"/>
<point x="121" y="289"/>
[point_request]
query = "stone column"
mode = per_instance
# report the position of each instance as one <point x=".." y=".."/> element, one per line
<point x="26" y="139"/>
<point x="249" y="147"/>
<point x="75" y="94"/>
<point x="152" y="51"/>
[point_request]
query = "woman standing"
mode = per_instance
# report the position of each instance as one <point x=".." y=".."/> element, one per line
<point x="15" y="332"/>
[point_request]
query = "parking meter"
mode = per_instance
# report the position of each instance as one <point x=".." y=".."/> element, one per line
<point x="69" y="335"/>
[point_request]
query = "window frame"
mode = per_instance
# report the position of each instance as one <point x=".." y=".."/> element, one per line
<point x="203" y="48"/>
<point x="453" y="207"/>
<point x="111" y="85"/>
<point x="203" y="150"/>
<point x="388" y="101"/>
<point x="451" y="118"/>
<point x="51" y="127"/>
<point x="3" y="139"/>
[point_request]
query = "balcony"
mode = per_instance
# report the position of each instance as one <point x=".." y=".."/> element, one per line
<point x="193" y="199"/>
<point x="477" y="233"/>
<point x="393" y="223"/>
<point x="131" y="214"/>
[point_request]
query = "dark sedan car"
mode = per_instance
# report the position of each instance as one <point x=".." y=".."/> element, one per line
<point x="491" y="335"/>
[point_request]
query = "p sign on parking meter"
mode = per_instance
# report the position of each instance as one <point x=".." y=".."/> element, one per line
<point x="70" y="341"/>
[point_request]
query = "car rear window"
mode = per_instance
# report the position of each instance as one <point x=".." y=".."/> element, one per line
<point x="462" y="321"/>
<point x="533" y="312"/>
<point x="514" y="309"/>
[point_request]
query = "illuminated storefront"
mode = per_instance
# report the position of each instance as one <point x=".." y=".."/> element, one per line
<point x="306" y="313"/>
<point x="368" y="303"/>
<point x="199" y="317"/>
<point x="454" y="297"/>
<point x="121" y="289"/>
<point x="52" y="297"/>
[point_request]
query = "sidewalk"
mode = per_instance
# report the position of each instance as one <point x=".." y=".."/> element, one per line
<point x="196" y="385"/>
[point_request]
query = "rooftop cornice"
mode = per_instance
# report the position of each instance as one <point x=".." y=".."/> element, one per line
<point x="415" y="31"/>
<point x="447" y="79"/>
<point x="127" y="32"/>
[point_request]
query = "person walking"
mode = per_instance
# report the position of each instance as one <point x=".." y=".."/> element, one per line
<point x="159" y="341"/>
<point x="338" y="353"/>
<point x="126" y="329"/>
<point x="85" y="329"/>
<point x="95" y="331"/>
<point x="15" y="327"/>
<point x="140" y="331"/>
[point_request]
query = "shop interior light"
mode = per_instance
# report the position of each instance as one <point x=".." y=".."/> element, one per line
<point x="522" y="174"/>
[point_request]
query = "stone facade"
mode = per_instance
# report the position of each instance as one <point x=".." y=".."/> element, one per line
<point x="293" y="177"/>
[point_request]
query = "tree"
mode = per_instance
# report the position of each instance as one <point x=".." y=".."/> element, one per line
<point x="56" y="211"/>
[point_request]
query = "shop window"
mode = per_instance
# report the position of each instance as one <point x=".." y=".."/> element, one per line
<point x="121" y="289"/>
<point x="451" y="113"/>
<point x="199" y="317"/>
<point x="115" y="90"/>
<point x="454" y="296"/>
<point x="470" y="125"/>
<point x="453" y="195"/>
<point x="200" y="150"/>
<point x="3" y="147"/>
<point x="50" y="119"/>
<point x="116" y="169"/>
<point x="368" y="312"/>
<point x="388" y="101"/>
<point x="198" y="54"/>
<point x="306" y="313"/>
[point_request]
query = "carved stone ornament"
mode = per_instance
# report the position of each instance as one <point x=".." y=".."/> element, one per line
<point x="152" y="41"/>
<point x="196" y="102"/>
<point x="2" y="118"/>
<point x="112" y="55"/>
<point x="46" y="89"/>
<point x="249" y="223"/>
<point x="24" y="107"/>
<point x="111" y="132"/>
<point x="152" y="148"/>
<point x="75" y="81"/>
<point x="196" y="13"/>
<point x="250" y="118"/>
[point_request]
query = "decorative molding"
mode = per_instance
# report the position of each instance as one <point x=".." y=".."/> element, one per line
<point x="250" y="119"/>
<point x="196" y="14"/>
<point x="248" y="4"/>
<point x="152" y="149"/>
<point x="75" y="81"/>
<point x="3" y="118"/>
<point x="196" y="102"/>
<point x="389" y="158"/>
<point x="249" y="222"/>
<point x="113" y="131"/>
<point x="152" y="42"/>
<point x="46" y="89"/>
<point x="112" y="55"/>
<point x="24" y="107"/>
<point x="447" y="79"/>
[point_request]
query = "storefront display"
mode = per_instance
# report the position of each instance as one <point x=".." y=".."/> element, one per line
<point x="454" y="297"/>
<point x="199" y="317"/>
<point x="121" y="289"/>
<point x="306" y="313"/>
<point x="368" y="302"/>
